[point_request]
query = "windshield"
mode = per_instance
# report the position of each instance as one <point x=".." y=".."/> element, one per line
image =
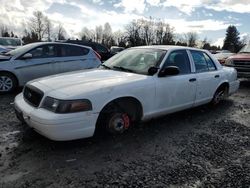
<point x="10" y="42"/>
<point x="135" y="60"/>
<point x="245" y="49"/>
<point x="21" y="50"/>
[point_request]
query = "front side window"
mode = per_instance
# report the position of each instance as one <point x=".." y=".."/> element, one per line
<point x="179" y="58"/>
<point x="136" y="60"/>
<point x="46" y="51"/>
<point x="202" y="61"/>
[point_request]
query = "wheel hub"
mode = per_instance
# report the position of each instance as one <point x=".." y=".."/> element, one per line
<point x="119" y="122"/>
<point x="5" y="83"/>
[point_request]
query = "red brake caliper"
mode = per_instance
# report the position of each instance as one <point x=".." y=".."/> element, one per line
<point x="126" y="120"/>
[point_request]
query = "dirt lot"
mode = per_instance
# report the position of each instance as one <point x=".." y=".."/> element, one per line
<point x="201" y="147"/>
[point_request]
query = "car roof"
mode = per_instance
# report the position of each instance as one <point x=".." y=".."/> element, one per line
<point x="43" y="43"/>
<point x="168" y="47"/>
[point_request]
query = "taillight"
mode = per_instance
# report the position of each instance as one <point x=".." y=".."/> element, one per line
<point x="98" y="55"/>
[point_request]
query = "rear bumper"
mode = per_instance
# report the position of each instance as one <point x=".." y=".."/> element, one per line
<point x="59" y="127"/>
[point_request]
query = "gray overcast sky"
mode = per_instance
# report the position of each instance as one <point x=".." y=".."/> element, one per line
<point x="209" y="18"/>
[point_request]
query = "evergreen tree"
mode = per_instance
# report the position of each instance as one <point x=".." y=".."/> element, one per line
<point x="232" y="40"/>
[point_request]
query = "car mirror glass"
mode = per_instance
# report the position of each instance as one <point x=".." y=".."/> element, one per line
<point x="169" y="71"/>
<point x="152" y="70"/>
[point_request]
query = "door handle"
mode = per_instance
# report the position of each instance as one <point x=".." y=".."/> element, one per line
<point x="192" y="79"/>
<point x="217" y="76"/>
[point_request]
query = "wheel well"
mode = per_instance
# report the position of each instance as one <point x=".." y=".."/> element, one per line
<point x="130" y="105"/>
<point x="12" y="75"/>
<point x="224" y="85"/>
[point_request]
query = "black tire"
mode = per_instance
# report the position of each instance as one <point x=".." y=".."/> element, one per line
<point x="8" y="83"/>
<point x="113" y="120"/>
<point x="220" y="94"/>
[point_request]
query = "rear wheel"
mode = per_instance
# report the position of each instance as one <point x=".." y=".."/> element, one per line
<point x="220" y="94"/>
<point x="7" y="83"/>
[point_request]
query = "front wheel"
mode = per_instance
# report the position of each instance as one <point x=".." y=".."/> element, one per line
<point x="7" y="83"/>
<point x="118" y="122"/>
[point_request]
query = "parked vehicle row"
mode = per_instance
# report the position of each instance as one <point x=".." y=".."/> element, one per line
<point x="36" y="60"/>
<point x="136" y="84"/>
<point x="222" y="55"/>
<point x="241" y="62"/>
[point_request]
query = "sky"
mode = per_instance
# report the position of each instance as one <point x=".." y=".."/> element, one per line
<point x="209" y="18"/>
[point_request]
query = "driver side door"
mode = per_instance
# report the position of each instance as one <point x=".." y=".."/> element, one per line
<point x="176" y="92"/>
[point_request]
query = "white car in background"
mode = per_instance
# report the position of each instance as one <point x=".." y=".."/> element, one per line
<point x="223" y="55"/>
<point x="137" y="84"/>
<point x="10" y="43"/>
<point x="42" y="59"/>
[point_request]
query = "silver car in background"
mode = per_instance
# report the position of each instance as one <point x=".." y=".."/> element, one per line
<point x="36" y="60"/>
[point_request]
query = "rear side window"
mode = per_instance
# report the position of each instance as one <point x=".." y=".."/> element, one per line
<point x="70" y="50"/>
<point x="202" y="61"/>
<point x="179" y="58"/>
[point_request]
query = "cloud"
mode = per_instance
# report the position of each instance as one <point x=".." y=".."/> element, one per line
<point x="153" y="2"/>
<point x="183" y="26"/>
<point x="132" y="6"/>
<point x="239" y="6"/>
<point x="219" y="42"/>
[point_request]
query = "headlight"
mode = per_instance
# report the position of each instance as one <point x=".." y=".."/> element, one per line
<point x="66" y="106"/>
<point x="229" y="61"/>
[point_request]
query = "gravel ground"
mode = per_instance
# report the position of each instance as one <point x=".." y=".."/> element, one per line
<point x="201" y="147"/>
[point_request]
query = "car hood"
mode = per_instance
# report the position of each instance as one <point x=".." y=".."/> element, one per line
<point x="241" y="56"/>
<point x="89" y="81"/>
<point x="4" y="58"/>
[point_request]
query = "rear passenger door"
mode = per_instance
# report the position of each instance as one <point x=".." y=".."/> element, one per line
<point x="72" y="58"/>
<point x="208" y="77"/>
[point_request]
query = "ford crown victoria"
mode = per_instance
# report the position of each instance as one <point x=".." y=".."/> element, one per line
<point x="135" y="85"/>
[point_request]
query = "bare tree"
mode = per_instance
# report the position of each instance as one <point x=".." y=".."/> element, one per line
<point x="4" y="31"/>
<point x="107" y="37"/>
<point x="191" y="38"/>
<point x="98" y="33"/>
<point x="147" y="30"/>
<point x="48" y="28"/>
<point x="168" y="37"/>
<point x="87" y="35"/>
<point x="133" y="31"/>
<point x="37" y="24"/>
<point x="61" y="32"/>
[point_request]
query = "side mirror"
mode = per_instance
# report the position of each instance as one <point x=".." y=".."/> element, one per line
<point x="152" y="71"/>
<point x="169" y="71"/>
<point x="27" y="56"/>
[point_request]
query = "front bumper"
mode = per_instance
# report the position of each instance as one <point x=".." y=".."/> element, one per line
<point x="59" y="127"/>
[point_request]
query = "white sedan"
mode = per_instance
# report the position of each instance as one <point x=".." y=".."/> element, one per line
<point x="135" y="85"/>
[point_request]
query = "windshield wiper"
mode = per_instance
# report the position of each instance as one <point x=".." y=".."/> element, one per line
<point x="107" y="67"/>
<point x="123" y="69"/>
